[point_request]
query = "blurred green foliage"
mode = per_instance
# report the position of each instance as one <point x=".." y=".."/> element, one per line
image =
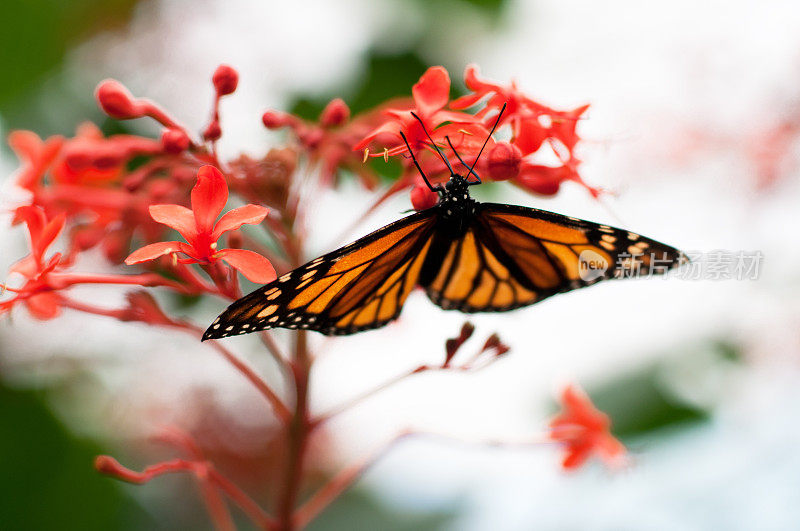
<point x="360" y="510"/>
<point x="35" y="37"/>
<point x="47" y="480"/>
<point x="385" y="76"/>
<point x="638" y="405"/>
<point x="642" y="403"/>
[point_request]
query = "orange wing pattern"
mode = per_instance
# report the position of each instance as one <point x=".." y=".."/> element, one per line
<point x="473" y="279"/>
<point x="358" y="287"/>
<point x="492" y="258"/>
<point x="513" y="256"/>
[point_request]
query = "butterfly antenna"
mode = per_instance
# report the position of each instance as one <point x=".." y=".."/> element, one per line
<point x="424" y="177"/>
<point x="488" y="137"/>
<point x="439" y="151"/>
<point x="462" y="160"/>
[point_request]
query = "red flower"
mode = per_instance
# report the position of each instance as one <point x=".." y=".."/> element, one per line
<point x="528" y="131"/>
<point x="200" y="228"/>
<point x="37" y="293"/>
<point x="89" y="158"/>
<point x="36" y="156"/>
<point x="431" y="94"/>
<point x="584" y="430"/>
<point x="516" y="102"/>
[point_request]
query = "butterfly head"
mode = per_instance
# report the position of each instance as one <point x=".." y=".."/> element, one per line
<point x="457" y="185"/>
<point x="454" y="198"/>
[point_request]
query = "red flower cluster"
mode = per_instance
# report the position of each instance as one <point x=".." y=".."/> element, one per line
<point x="92" y="185"/>
<point x="124" y="195"/>
<point x="533" y="126"/>
<point x="377" y="133"/>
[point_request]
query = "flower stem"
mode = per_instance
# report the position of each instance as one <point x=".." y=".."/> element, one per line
<point x="298" y="432"/>
<point x="336" y="410"/>
<point x="281" y="411"/>
<point x="340" y="483"/>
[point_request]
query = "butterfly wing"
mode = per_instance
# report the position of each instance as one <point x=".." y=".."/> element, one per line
<point x="357" y="287"/>
<point x="512" y="256"/>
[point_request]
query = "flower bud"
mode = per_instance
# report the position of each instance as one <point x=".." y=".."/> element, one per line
<point x="175" y="141"/>
<point x="225" y="80"/>
<point x="335" y="113"/>
<point x="504" y="161"/>
<point x="117" y="102"/>
<point x="422" y="197"/>
<point x="143" y="307"/>
<point x="542" y="180"/>
<point x="213" y="131"/>
<point x="276" y="119"/>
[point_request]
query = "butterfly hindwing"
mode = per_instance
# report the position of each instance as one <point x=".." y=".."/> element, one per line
<point x="358" y="287"/>
<point x="512" y="256"/>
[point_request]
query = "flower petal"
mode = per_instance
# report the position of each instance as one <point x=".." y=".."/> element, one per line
<point x="44" y="306"/>
<point x="529" y="135"/>
<point x="36" y="155"/>
<point x="178" y="217"/>
<point x="34" y="218"/>
<point x="252" y="265"/>
<point x="154" y="250"/>
<point x="50" y="232"/>
<point x="246" y="215"/>
<point x="471" y="80"/>
<point x="42" y="233"/>
<point x="387" y="128"/>
<point x="209" y="196"/>
<point x="453" y="116"/>
<point x="575" y="456"/>
<point x="432" y="90"/>
<point x="467" y="101"/>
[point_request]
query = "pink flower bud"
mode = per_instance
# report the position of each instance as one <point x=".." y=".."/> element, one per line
<point x="117" y="102"/>
<point x="175" y="141"/>
<point x="504" y="161"/>
<point x="225" y="80"/>
<point x="422" y="197"/>
<point x="335" y="113"/>
<point x="276" y="119"/>
<point x="107" y="465"/>
<point x="213" y="131"/>
<point x="542" y="180"/>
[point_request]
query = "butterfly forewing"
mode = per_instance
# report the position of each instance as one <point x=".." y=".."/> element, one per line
<point x="513" y="256"/>
<point x="357" y="287"/>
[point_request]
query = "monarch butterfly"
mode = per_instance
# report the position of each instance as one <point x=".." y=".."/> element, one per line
<point x="468" y="256"/>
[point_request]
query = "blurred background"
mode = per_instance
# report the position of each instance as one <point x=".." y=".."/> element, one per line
<point x="694" y="125"/>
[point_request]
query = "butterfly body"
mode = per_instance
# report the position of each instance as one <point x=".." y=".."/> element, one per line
<point x="466" y="255"/>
